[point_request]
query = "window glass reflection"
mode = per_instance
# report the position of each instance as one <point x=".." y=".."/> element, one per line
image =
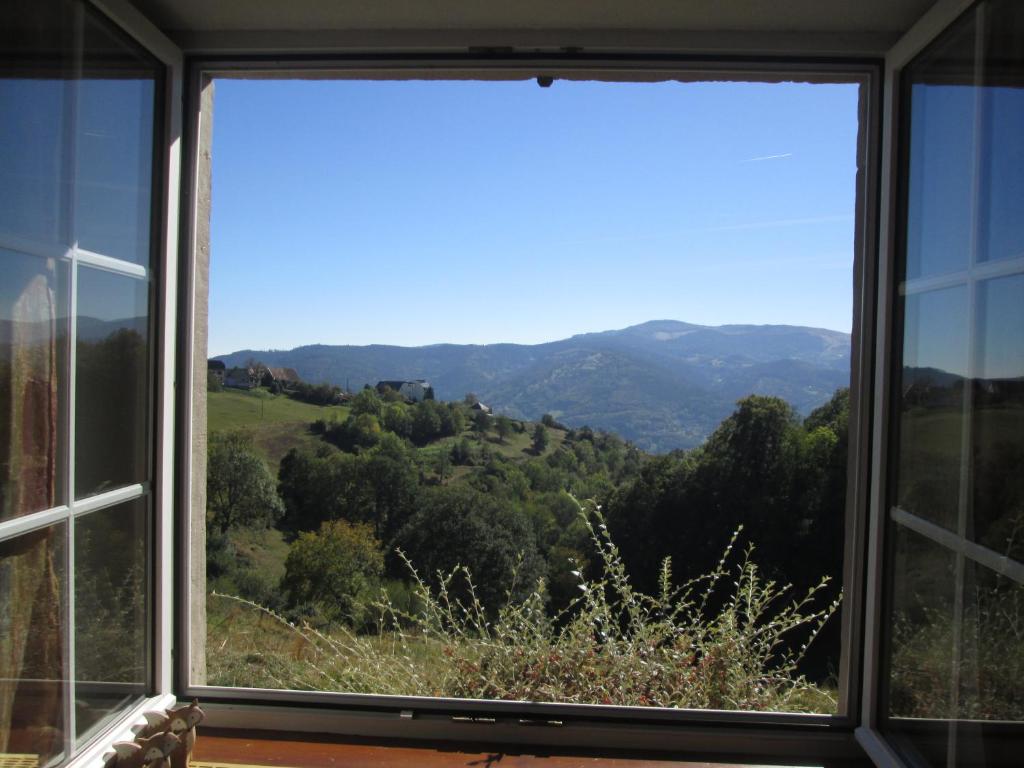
<point x="1002" y="149"/>
<point x="112" y="389"/>
<point x="32" y="638"/>
<point x="992" y="661"/>
<point x="1002" y="193"/>
<point x="114" y="148"/>
<point x="112" y="605"/>
<point x="33" y="172"/>
<point x="942" y="105"/>
<point x="33" y="382"/>
<point x="922" y="628"/>
<point x="932" y="397"/>
<point x="998" y="417"/>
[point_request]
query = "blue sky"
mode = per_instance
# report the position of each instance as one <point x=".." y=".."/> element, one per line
<point x="474" y="212"/>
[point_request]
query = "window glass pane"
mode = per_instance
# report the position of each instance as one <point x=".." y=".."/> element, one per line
<point x="32" y="641"/>
<point x="112" y="610"/>
<point x="992" y="661"/>
<point x="942" y="152"/>
<point x="1002" y="189"/>
<point x="112" y="383"/>
<point x="33" y="173"/>
<point x="35" y="91"/>
<point x="920" y="640"/>
<point x="931" y="404"/>
<point x="998" y="417"/>
<point x="956" y="647"/>
<point x="33" y="382"/>
<point x="114" y="137"/>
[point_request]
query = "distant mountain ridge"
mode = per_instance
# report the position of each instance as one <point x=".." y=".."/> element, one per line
<point x="663" y="384"/>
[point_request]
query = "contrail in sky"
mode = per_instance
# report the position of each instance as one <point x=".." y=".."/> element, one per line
<point x="767" y="157"/>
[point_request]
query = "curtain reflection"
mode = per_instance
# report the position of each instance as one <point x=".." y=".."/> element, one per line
<point x="31" y="380"/>
<point x="31" y="639"/>
<point x="31" y="644"/>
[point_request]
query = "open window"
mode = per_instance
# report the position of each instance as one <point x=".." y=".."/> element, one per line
<point x="104" y="461"/>
<point x="953" y="641"/>
<point x="607" y="192"/>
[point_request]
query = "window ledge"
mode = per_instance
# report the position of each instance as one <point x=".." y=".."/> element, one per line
<point x="96" y="754"/>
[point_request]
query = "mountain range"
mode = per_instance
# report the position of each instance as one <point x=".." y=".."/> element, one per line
<point x="663" y="384"/>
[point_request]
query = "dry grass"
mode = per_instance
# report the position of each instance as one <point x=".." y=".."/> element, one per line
<point x="614" y="645"/>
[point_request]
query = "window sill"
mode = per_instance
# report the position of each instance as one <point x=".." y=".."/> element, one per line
<point x="98" y="752"/>
<point x="247" y="749"/>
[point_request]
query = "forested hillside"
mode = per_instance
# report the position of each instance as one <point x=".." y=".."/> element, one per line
<point x="364" y="520"/>
<point x="662" y="385"/>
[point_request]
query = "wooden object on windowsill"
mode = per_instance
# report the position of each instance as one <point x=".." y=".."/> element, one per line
<point x="145" y="753"/>
<point x="182" y="722"/>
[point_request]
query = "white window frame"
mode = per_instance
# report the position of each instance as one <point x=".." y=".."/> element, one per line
<point x="778" y="734"/>
<point x="694" y="730"/>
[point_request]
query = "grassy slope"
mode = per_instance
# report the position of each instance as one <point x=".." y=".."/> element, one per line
<point x="515" y="448"/>
<point x="277" y="423"/>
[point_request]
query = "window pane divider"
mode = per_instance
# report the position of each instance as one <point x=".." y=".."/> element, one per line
<point x="101" y="500"/>
<point x="73" y="254"/>
<point x="34" y="247"/>
<point x="978" y="271"/>
<point x="72" y="93"/>
<point x="110" y="264"/>
<point x="1001" y="564"/>
<point x="27" y="523"/>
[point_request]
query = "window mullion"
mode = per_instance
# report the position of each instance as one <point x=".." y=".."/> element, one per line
<point x="71" y="128"/>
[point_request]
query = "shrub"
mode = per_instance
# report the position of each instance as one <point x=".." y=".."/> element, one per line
<point x="613" y="645"/>
<point x="456" y="525"/>
<point x="337" y="570"/>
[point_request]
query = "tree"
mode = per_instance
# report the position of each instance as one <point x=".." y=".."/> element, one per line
<point x="320" y="485"/>
<point x="388" y="483"/>
<point x="239" y="489"/>
<point x="462" y="453"/>
<point x="444" y="465"/>
<point x="356" y="432"/>
<point x="540" y="439"/>
<point x="367" y="402"/>
<point x="481" y="422"/>
<point x="396" y="419"/>
<point x="456" y="525"/>
<point x="426" y="422"/>
<point x="389" y="395"/>
<point x="503" y="426"/>
<point x="377" y="486"/>
<point x="335" y="572"/>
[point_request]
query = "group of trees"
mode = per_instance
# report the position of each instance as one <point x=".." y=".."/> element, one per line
<point x="368" y="490"/>
<point x="376" y="486"/>
<point x="781" y="478"/>
<point x="371" y="416"/>
<point x="317" y="394"/>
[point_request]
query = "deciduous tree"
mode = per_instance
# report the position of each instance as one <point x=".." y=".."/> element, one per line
<point x="335" y="572"/>
<point x="239" y="488"/>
